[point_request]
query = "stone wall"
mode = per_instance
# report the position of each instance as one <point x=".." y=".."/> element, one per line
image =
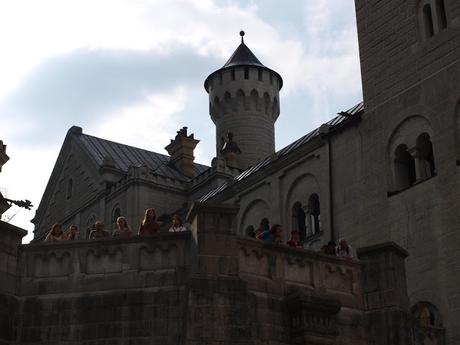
<point x="207" y="286"/>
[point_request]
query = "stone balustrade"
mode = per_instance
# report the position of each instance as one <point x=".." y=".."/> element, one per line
<point x="77" y="266"/>
<point x="275" y="269"/>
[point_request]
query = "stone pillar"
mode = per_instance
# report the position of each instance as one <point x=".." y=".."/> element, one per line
<point x="385" y="294"/>
<point x="220" y="310"/>
<point x="10" y="239"/>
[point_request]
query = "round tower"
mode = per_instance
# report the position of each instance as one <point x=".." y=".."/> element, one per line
<point x="244" y="101"/>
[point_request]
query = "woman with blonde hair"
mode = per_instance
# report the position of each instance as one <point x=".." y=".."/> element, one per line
<point x="149" y="225"/>
<point x="123" y="231"/>
<point x="56" y="234"/>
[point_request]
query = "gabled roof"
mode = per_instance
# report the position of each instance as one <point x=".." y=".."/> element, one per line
<point x="124" y="156"/>
<point x="352" y="113"/>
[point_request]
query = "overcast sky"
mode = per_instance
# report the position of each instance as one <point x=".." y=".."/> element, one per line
<point x="132" y="71"/>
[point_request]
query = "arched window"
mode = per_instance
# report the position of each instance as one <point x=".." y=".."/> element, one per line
<point x="428" y="21"/>
<point x="250" y="231"/>
<point x="425" y="157"/>
<point x="69" y="188"/>
<point x="233" y="73"/>
<point x="441" y="12"/>
<point x="427" y="314"/>
<point x="116" y="212"/>
<point x="246" y="73"/>
<point x="404" y="166"/>
<point x="90" y="224"/>
<point x="298" y="220"/>
<point x="314" y="212"/>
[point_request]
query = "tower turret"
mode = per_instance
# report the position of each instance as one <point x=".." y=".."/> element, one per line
<point x="244" y="101"/>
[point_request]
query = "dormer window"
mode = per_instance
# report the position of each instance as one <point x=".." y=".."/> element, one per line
<point x="433" y="17"/>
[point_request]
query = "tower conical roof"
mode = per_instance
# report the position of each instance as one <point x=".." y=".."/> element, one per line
<point x="242" y="56"/>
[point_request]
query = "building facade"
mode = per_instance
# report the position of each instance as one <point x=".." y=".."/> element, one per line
<point x="385" y="170"/>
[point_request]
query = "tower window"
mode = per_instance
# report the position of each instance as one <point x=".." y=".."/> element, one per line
<point x="441" y="12"/>
<point x="314" y="212"/>
<point x="69" y="188"/>
<point x="298" y="220"/>
<point x="233" y="74"/>
<point x="428" y="21"/>
<point x="271" y="79"/>
<point x="404" y="168"/>
<point x="246" y="73"/>
<point x="260" y="73"/>
<point x="220" y="78"/>
<point x="116" y="212"/>
<point x="424" y="153"/>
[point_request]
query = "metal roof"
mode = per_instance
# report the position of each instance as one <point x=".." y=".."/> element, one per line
<point x="125" y="156"/>
<point x="243" y="56"/>
<point x="354" y="112"/>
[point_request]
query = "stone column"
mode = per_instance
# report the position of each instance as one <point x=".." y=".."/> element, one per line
<point x="385" y="294"/>
<point x="220" y="310"/>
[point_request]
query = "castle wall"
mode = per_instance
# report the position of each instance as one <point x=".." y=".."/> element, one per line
<point x="207" y="286"/>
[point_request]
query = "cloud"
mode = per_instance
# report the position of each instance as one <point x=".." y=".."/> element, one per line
<point x="83" y="87"/>
<point x="124" y="69"/>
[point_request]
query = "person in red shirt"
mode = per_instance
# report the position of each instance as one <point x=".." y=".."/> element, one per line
<point x="123" y="230"/>
<point x="295" y="239"/>
<point x="149" y="225"/>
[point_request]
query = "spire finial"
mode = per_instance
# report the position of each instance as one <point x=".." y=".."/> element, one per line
<point x="242" y="34"/>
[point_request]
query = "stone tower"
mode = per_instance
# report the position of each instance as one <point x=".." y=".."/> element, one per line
<point x="244" y="101"/>
<point x="410" y="63"/>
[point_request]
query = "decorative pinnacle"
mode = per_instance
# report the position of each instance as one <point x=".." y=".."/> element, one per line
<point x="242" y="34"/>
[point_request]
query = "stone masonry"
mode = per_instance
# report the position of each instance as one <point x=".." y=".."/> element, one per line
<point x="207" y="286"/>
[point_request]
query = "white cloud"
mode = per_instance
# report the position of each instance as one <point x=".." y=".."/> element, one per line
<point x="149" y="125"/>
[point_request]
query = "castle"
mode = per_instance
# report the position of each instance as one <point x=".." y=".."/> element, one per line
<point x="383" y="174"/>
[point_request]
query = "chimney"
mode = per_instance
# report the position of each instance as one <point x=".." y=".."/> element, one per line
<point x="181" y="151"/>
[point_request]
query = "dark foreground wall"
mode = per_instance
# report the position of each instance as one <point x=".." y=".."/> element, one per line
<point x="202" y="287"/>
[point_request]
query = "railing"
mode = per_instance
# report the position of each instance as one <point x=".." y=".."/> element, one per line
<point x="274" y="269"/>
<point x="97" y="265"/>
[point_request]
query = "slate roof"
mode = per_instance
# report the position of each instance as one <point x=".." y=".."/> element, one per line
<point x="125" y="156"/>
<point x="243" y="56"/>
<point x="354" y="112"/>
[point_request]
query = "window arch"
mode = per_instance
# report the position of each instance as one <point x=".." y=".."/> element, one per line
<point x="90" y="224"/>
<point x="428" y="21"/>
<point x="314" y="213"/>
<point x="116" y="212"/>
<point x="432" y="17"/>
<point x="426" y="314"/>
<point x="404" y="166"/>
<point x="69" y="188"/>
<point x="441" y="12"/>
<point x="425" y="156"/>
<point x="299" y="220"/>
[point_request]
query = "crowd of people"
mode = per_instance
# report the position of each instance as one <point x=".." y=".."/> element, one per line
<point x="274" y="234"/>
<point x="149" y="227"/>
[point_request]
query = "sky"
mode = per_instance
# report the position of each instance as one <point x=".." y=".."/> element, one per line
<point x="132" y="71"/>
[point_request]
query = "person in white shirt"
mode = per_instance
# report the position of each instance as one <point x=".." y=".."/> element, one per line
<point x="344" y="250"/>
<point x="177" y="224"/>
